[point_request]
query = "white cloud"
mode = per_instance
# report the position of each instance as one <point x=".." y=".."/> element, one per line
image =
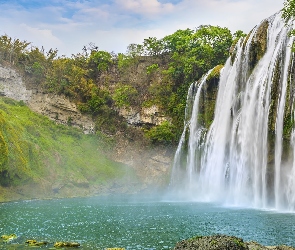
<point x="113" y="25"/>
<point x="92" y="15"/>
<point x="43" y="36"/>
<point x="242" y="14"/>
<point x="145" y="7"/>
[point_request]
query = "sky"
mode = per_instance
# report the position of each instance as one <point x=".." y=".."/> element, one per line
<point x="69" y="25"/>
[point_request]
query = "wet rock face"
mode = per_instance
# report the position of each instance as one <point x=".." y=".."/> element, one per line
<point x="208" y="98"/>
<point x="258" y="44"/>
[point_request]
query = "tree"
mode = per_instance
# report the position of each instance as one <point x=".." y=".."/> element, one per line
<point x="289" y="10"/>
<point x="288" y="14"/>
<point x="153" y="46"/>
<point x="12" y="49"/>
<point x="134" y="50"/>
<point x="194" y="52"/>
<point x="177" y="42"/>
<point x="101" y="59"/>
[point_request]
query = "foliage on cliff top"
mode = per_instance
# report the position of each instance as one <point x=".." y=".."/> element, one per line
<point x="156" y="72"/>
<point x="288" y="13"/>
<point x="36" y="150"/>
<point x="289" y="9"/>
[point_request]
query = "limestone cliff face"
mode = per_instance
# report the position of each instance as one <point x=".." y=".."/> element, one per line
<point x="60" y="109"/>
<point x="57" y="108"/>
<point x="143" y="116"/>
<point x="12" y="86"/>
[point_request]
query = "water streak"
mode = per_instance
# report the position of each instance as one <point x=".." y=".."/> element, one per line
<point x="186" y="177"/>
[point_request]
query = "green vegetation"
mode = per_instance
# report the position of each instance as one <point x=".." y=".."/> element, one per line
<point x="151" y="69"/>
<point x="162" y="133"/>
<point x="197" y="237"/>
<point x="288" y="13"/>
<point x="124" y="95"/>
<point x="239" y="242"/>
<point x="156" y="72"/>
<point x="215" y="242"/>
<point x="37" y="151"/>
<point x="208" y="97"/>
<point x="215" y="73"/>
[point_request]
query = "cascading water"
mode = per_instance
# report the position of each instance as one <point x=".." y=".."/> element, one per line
<point x="195" y="136"/>
<point x="238" y="160"/>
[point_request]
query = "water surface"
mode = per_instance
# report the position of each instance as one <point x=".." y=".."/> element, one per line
<point x="100" y="222"/>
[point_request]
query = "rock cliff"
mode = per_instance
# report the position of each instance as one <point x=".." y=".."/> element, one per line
<point x="151" y="165"/>
<point x="57" y="108"/>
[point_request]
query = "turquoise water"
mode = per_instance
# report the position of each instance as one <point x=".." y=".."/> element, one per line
<point x="99" y="223"/>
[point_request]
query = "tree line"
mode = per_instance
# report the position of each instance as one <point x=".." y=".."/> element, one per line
<point x="100" y="82"/>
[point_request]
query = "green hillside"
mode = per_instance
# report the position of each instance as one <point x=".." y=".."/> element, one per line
<point x="41" y="159"/>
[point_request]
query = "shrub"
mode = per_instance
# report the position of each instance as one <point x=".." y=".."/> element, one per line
<point x="152" y="69"/>
<point x="163" y="133"/>
<point x="124" y="95"/>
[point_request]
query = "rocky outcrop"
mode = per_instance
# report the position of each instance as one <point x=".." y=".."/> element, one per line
<point x="208" y="97"/>
<point x="57" y="108"/>
<point x="258" y="44"/>
<point x="143" y="116"/>
<point x="61" y="110"/>
<point x="12" y="86"/>
<point x="223" y="242"/>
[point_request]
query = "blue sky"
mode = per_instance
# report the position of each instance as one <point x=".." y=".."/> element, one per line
<point x="68" y="25"/>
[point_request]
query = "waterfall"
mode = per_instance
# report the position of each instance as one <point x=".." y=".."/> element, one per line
<point x="239" y="159"/>
<point x="187" y="177"/>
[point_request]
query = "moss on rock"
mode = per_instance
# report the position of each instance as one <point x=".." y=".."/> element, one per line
<point x="258" y="45"/>
<point x="215" y="74"/>
<point x="35" y="243"/>
<point x="8" y="238"/>
<point x="66" y="244"/>
<point x="208" y="97"/>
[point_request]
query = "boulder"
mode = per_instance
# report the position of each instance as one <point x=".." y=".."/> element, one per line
<point x="224" y="242"/>
<point x="216" y="242"/>
<point x="66" y="244"/>
<point x="35" y="243"/>
<point x="7" y="238"/>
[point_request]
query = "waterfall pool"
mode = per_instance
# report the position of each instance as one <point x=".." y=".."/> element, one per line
<point x="100" y="222"/>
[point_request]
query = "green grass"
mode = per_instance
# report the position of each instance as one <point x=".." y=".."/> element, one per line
<point x="33" y="149"/>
